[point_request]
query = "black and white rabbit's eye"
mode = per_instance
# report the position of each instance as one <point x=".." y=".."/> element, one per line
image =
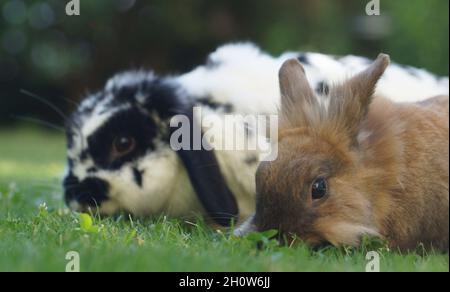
<point x="122" y="145"/>
<point x="319" y="189"/>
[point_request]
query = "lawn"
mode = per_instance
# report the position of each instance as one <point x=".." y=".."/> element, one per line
<point x="37" y="231"/>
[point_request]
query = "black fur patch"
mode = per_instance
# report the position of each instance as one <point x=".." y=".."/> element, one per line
<point x="207" y="101"/>
<point x="159" y="95"/>
<point x="413" y="72"/>
<point x="248" y="131"/>
<point x="89" y="192"/>
<point x="126" y="93"/>
<point x="303" y="59"/>
<point x="323" y="88"/>
<point x="84" y="155"/>
<point x="251" y="159"/>
<point x="132" y="123"/>
<point x="164" y="98"/>
<point x="137" y="175"/>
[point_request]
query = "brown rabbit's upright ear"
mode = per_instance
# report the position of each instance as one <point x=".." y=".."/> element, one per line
<point x="297" y="97"/>
<point x="351" y="101"/>
<point x="363" y="84"/>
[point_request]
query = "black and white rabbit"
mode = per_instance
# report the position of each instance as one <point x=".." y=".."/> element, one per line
<point x="119" y="157"/>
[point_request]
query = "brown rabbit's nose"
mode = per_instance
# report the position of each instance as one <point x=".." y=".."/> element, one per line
<point x="283" y="212"/>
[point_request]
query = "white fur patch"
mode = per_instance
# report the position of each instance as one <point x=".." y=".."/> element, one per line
<point x="248" y="78"/>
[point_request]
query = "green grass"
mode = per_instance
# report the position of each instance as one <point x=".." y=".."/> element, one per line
<point x="34" y="237"/>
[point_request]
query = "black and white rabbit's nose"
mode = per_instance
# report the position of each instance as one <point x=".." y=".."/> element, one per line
<point x="90" y="192"/>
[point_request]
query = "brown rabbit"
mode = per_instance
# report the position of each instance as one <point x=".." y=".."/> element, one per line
<point x="351" y="165"/>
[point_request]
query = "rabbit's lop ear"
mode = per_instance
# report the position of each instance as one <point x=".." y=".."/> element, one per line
<point x="296" y="93"/>
<point x="352" y="100"/>
<point x="210" y="185"/>
<point x="208" y="181"/>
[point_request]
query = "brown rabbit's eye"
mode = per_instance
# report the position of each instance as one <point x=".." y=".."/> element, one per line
<point x="123" y="145"/>
<point x="319" y="189"/>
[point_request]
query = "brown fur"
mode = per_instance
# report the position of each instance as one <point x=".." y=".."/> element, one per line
<point x="386" y="164"/>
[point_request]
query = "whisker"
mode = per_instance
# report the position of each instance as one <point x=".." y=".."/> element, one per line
<point x="39" y="122"/>
<point x="71" y="101"/>
<point x="46" y="102"/>
<point x="65" y="118"/>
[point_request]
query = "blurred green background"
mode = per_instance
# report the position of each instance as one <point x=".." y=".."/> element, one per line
<point x="53" y="55"/>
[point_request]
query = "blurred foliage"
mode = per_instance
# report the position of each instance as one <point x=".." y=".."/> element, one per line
<point x="53" y="55"/>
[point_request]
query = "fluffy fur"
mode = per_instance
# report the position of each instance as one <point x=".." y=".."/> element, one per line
<point x="386" y="165"/>
<point x="153" y="179"/>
